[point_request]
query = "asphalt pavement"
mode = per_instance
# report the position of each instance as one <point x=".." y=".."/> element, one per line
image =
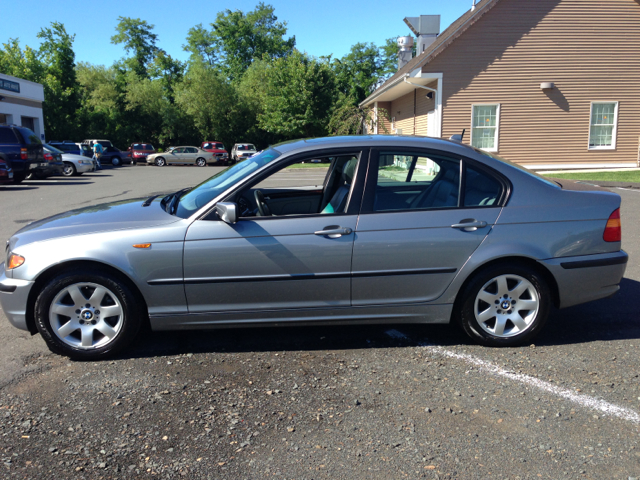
<point x="384" y="401"/>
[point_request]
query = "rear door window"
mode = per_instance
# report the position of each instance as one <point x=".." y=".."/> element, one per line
<point x="409" y="181"/>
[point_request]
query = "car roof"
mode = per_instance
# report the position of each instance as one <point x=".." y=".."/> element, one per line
<point x="374" y="141"/>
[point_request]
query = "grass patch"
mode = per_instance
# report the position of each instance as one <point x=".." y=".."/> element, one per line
<point x="632" y="176"/>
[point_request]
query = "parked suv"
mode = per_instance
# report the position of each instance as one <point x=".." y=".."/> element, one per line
<point x="21" y="149"/>
<point x="220" y="155"/>
<point x="138" y="152"/>
<point x="72" y="147"/>
<point x="242" y="151"/>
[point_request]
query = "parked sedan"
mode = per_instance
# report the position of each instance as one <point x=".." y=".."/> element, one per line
<point x="77" y="164"/>
<point x="397" y="230"/>
<point x="52" y="165"/>
<point x="6" y="173"/>
<point x="182" y="156"/>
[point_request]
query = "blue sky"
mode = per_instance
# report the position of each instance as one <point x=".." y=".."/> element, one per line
<point x="321" y="28"/>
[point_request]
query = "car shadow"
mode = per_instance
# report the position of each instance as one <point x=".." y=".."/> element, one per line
<point x="15" y="187"/>
<point x="614" y="318"/>
<point x="64" y="183"/>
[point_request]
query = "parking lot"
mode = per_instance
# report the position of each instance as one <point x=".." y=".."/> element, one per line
<point x="321" y="402"/>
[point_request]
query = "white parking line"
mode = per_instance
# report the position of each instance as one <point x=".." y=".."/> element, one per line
<point x="586" y="401"/>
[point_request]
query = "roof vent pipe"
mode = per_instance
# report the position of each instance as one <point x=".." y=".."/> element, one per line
<point x="473" y="7"/>
<point x="405" y="44"/>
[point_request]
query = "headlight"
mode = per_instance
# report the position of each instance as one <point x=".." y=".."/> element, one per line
<point x="14" y="261"/>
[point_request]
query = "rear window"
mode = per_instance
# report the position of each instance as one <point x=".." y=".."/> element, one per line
<point x="52" y="149"/>
<point x="142" y="146"/>
<point x="531" y="173"/>
<point x="30" y="138"/>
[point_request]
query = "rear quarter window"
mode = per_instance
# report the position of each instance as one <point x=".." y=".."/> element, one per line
<point x="7" y="137"/>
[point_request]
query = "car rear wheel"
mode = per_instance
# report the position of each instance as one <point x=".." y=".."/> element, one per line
<point x="69" y="170"/>
<point x="504" y="305"/>
<point x="116" y="162"/>
<point x="160" y="162"/>
<point x="87" y="314"/>
<point x="201" y="162"/>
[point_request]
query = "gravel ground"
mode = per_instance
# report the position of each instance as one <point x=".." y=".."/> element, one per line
<point x="387" y="401"/>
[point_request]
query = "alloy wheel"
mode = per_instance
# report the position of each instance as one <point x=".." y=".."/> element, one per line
<point x="86" y="316"/>
<point x="506" y="305"/>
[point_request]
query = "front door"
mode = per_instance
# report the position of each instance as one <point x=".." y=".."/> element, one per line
<point x="282" y="253"/>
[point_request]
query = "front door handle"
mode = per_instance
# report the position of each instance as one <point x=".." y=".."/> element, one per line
<point x="469" y="225"/>
<point x="334" y="231"/>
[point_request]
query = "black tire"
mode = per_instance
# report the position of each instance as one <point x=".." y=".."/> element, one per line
<point x="159" y="161"/>
<point x="124" y="328"/>
<point x="69" y="169"/>
<point x="201" y="162"/>
<point x="116" y="162"/>
<point x="526" y="324"/>
<point x="18" y="178"/>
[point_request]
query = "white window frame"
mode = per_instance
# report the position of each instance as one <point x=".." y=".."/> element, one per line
<point x="614" y="133"/>
<point x="497" y="137"/>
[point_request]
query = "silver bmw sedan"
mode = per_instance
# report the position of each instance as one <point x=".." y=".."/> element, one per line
<point x="358" y="230"/>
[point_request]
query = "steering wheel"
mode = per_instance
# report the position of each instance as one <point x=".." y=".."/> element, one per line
<point x="263" y="208"/>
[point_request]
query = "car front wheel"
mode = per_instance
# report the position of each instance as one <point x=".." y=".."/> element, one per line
<point x="87" y="315"/>
<point x="159" y="162"/>
<point x="69" y="170"/>
<point x="504" y="306"/>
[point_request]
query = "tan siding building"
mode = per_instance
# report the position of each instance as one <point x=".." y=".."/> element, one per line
<point x="488" y="70"/>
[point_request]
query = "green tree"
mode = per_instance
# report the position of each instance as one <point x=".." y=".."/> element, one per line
<point x="20" y="63"/>
<point x="210" y="100"/>
<point x="59" y="81"/>
<point x="357" y="73"/>
<point x="201" y="43"/>
<point x="138" y="38"/>
<point x="299" y="93"/>
<point x="242" y="38"/>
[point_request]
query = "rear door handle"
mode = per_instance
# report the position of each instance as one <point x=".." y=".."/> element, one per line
<point x="334" y="231"/>
<point x="469" y="225"/>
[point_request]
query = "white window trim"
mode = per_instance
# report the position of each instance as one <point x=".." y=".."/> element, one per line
<point x="614" y="134"/>
<point x="497" y="146"/>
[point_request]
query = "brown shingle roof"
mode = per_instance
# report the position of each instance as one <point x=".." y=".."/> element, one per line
<point x="443" y="40"/>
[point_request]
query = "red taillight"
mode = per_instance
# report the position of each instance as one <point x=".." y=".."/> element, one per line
<point x="48" y="157"/>
<point x="23" y="154"/>
<point x="613" y="230"/>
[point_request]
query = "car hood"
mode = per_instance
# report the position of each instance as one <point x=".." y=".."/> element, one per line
<point x="121" y="215"/>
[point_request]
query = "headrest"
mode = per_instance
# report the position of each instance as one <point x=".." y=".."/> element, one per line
<point x="349" y="170"/>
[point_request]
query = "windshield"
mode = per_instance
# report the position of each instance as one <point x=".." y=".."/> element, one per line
<point x="246" y="147"/>
<point x="199" y="196"/>
<point x="531" y="173"/>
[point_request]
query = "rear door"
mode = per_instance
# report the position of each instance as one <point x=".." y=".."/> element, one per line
<point x="421" y="221"/>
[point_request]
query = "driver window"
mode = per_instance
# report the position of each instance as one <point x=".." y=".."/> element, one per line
<point x="315" y="185"/>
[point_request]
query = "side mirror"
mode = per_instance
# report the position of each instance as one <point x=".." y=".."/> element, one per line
<point x="227" y="211"/>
